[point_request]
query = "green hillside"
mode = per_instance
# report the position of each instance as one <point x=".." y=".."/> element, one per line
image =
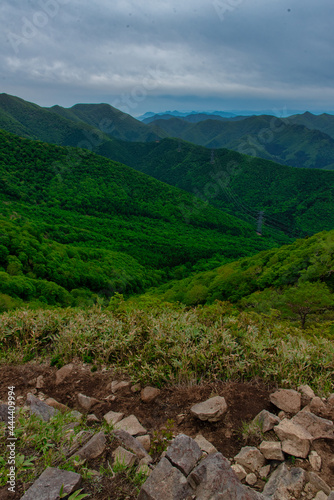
<point x="323" y="122"/>
<point x="285" y="141"/>
<point x="77" y="199"/>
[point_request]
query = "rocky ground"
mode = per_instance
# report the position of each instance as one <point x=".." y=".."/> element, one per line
<point x="294" y="440"/>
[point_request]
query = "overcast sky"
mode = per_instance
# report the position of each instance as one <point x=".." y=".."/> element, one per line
<point x="156" y="55"/>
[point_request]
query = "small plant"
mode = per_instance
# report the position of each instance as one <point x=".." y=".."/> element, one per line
<point x="75" y="496"/>
<point x="162" y="438"/>
<point x="252" y="432"/>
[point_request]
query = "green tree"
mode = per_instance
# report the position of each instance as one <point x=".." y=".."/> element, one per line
<point x="307" y="298"/>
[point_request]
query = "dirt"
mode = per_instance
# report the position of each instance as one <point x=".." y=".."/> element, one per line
<point x="244" y="400"/>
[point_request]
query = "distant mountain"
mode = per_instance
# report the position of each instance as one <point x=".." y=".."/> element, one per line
<point x="324" y="122"/>
<point x="281" y="140"/>
<point x="186" y="114"/>
<point x="194" y="117"/>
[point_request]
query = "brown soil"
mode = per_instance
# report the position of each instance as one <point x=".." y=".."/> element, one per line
<point x="244" y="400"/>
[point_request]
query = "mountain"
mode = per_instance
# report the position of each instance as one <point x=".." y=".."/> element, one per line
<point x="192" y="117"/>
<point x="268" y="137"/>
<point x="81" y="221"/>
<point x="323" y="122"/>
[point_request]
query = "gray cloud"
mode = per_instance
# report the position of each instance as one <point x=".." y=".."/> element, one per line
<point x="156" y="54"/>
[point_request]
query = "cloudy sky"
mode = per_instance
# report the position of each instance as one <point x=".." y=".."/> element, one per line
<point x="156" y="55"/>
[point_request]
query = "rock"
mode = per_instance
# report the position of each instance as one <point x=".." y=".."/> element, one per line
<point x="330" y="399"/>
<point x="94" y="448"/>
<point x="124" y="457"/>
<point x="264" y="471"/>
<point x="286" y="400"/>
<point x="131" y="425"/>
<point x="87" y="402"/>
<point x="40" y="409"/>
<point x="149" y="394"/>
<point x="214" y="478"/>
<point x="295" y="439"/>
<point x="307" y="394"/>
<point x="211" y="410"/>
<point x="49" y="483"/>
<point x="58" y="406"/>
<point x="282" y="415"/>
<point x="165" y="482"/>
<point x="285" y="484"/>
<point x="132" y="444"/>
<point x="272" y="450"/>
<point x="63" y="373"/>
<point x="251" y="458"/>
<point x="239" y="471"/>
<point x="318" y="483"/>
<point x="3" y="412"/>
<point x="184" y="453"/>
<point x="145" y="441"/>
<point x="118" y="386"/>
<point x="205" y="445"/>
<point x="315" y="461"/>
<point x="331" y="496"/>
<point x="136" y="388"/>
<point x="79" y="440"/>
<point x="76" y="414"/>
<point x="318" y="427"/>
<point x="251" y="479"/>
<point x="112" y="417"/>
<point x="144" y="470"/>
<point x="317" y="406"/>
<point x="92" y="419"/>
<point x="321" y="496"/>
<point x="40" y="382"/>
<point x="266" y="420"/>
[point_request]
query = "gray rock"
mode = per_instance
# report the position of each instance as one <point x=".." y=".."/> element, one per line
<point x="264" y="471"/>
<point x="94" y="448"/>
<point x="131" y="425"/>
<point x="211" y="410"/>
<point x="266" y="420"/>
<point x="295" y="439"/>
<point x="205" y="445"/>
<point x="321" y="496"/>
<point x="214" y="479"/>
<point x="92" y="419"/>
<point x="251" y="458"/>
<point x="251" y="479"/>
<point x="40" y="409"/>
<point x="145" y="441"/>
<point x="286" y="400"/>
<point x="331" y="496"/>
<point x="165" y="483"/>
<point x="136" y="388"/>
<point x="40" y="382"/>
<point x="132" y="444"/>
<point x="49" y="483"/>
<point x="318" y="427"/>
<point x="307" y="394"/>
<point x="112" y="417"/>
<point x="285" y="484"/>
<point x="239" y="471"/>
<point x="63" y="373"/>
<point x="272" y="450"/>
<point x="124" y="457"/>
<point x="315" y="461"/>
<point x="3" y="412"/>
<point x="58" y="406"/>
<point x="318" y="483"/>
<point x="87" y="402"/>
<point x="149" y="394"/>
<point x="184" y="453"/>
<point x="118" y="386"/>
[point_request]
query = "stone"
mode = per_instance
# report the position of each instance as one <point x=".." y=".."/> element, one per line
<point x="165" y="482"/>
<point x="331" y="496"/>
<point x="285" y="484"/>
<point x="295" y="439"/>
<point x="40" y="382"/>
<point x="3" y="412"/>
<point x="307" y="394"/>
<point x="145" y="441"/>
<point x="131" y="425"/>
<point x="264" y="471"/>
<point x="49" y="483"/>
<point x="214" y="478"/>
<point x="211" y="410"/>
<point x="144" y="470"/>
<point x="318" y="483"/>
<point x="184" y="453"/>
<point x="149" y="394"/>
<point x="315" y="461"/>
<point x="287" y="400"/>
<point x="40" y="409"/>
<point x="205" y="445"/>
<point x="58" y="406"/>
<point x="78" y="441"/>
<point x="272" y="450"/>
<point x="132" y="444"/>
<point x="87" y="402"/>
<point x="124" y="457"/>
<point x="330" y="399"/>
<point x="317" y="406"/>
<point x="94" y="448"/>
<point x="136" y="388"/>
<point x="321" y="496"/>
<point x="112" y="417"/>
<point x="92" y="419"/>
<point x="318" y="427"/>
<point x="266" y="420"/>
<point x="239" y="471"/>
<point x="251" y="458"/>
<point x="282" y="415"/>
<point x="118" y="386"/>
<point x="76" y="414"/>
<point x="63" y="373"/>
<point x="251" y="479"/>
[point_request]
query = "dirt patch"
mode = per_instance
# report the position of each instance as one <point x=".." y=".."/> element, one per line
<point x="244" y="400"/>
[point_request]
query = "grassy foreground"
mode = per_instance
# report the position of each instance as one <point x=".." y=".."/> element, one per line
<point x="173" y="344"/>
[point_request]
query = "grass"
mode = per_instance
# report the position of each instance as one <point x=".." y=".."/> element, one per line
<point x="174" y="344"/>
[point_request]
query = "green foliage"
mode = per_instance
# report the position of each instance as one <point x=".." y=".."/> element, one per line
<point x="162" y="438"/>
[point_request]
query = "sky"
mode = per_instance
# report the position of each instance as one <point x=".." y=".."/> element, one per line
<point x="155" y="55"/>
